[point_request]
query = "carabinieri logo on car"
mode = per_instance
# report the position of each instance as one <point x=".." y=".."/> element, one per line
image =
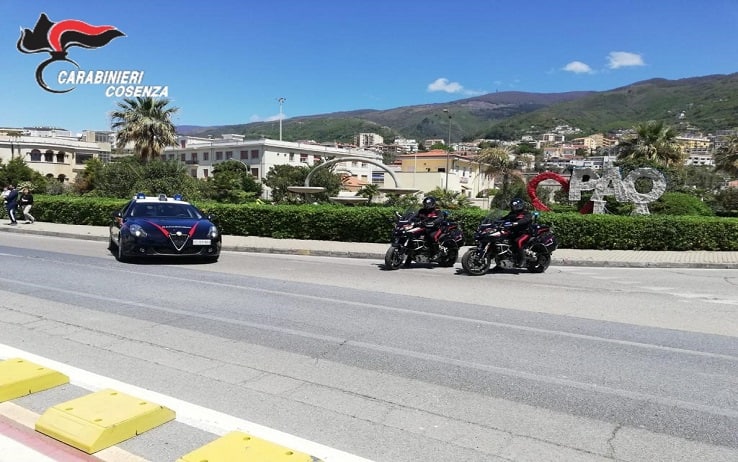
<point x="56" y="38"/>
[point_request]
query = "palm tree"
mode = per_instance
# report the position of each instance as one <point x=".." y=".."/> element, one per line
<point x="499" y="162"/>
<point x="726" y="157"/>
<point x="147" y="123"/>
<point x="653" y="141"/>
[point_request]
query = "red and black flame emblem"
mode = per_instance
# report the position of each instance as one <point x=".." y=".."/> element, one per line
<point x="56" y="38"/>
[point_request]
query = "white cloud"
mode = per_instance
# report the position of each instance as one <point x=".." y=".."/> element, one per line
<point x="618" y="59"/>
<point x="275" y="117"/>
<point x="443" y="84"/>
<point x="578" y="67"/>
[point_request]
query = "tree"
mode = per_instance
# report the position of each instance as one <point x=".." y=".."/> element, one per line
<point x="117" y="179"/>
<point x="450" y="199"/>
<point x="499" y="163"/>
<point x="233" y="182"/>
<point x="726" y="157"/>
<point x="17" y="172"/>
<point x="87" y="180"/>
<point x="146" y="122"/>
<point x="369" y="191"/>
<point x="167" y="177"/>
<point x="653" y="141"/>
<point x="280" y="177"/>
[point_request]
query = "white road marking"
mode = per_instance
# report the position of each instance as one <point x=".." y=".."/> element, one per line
<point x="189" y="414"/>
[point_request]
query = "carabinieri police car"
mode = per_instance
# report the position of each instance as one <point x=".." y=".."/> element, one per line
<point x="163" y="226"/>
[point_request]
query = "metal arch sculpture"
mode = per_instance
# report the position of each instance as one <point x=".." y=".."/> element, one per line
<point x="350" y="159"/>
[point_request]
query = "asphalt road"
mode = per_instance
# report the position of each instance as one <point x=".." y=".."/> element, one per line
<point x="578" y="363"/>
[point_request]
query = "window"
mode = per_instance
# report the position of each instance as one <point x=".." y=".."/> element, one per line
<point x="218" y="155"/>
<point x="243" y="155"/>
<point x="205" y="172"/>
<point x="303" y="157"/>
<point x="60" y="157"/>
<point x="255" y="172"/>
<point x="206" y="156"/>
<point x="183" y="157"/>
<point x="193" y="157"/>
<point x="35" y="155"/>
<point x="49" y="156"/>
<point x="80" y="159"/>
<point x="292" y="156"/>
<point x="254" y="153"/>
<point x="229" y="155"/>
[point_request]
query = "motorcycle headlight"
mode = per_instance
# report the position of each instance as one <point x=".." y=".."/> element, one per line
<point x="213" y="232"/>
<point x="137" y="230"/>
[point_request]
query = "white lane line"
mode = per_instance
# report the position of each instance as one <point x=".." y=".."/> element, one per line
<point x="189" y="414"/>
<point x="374" y="306"/>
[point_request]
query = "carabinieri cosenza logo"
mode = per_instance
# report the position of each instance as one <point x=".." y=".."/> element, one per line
<point x="57" y="38"/>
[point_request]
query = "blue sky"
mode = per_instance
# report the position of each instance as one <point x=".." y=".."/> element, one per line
<point x="228" y="62"/>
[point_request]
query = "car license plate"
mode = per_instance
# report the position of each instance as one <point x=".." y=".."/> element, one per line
<point x="201" y="242"/>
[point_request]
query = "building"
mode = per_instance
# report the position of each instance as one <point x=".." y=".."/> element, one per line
<point x="364" y="140"/>
<point x="54" y="153"/>
<point x="200" y="155"/>
<point x="406" y="145"/>
<point x="697" y="148"/>
<point x="426" y="171"/>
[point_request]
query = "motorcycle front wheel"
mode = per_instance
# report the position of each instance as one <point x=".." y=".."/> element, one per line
<point x="473" y="264"/>
<point x="542" y="260"/>
<point x="393" y="258"/>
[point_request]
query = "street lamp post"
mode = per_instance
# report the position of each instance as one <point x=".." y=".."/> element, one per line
<point x="448" y="147"/>
<point x="281" y="101"/>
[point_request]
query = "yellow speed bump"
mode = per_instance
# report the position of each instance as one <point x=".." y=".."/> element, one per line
<point x="241" y="447"/>
<point x="101" y="419"/>
<point x="19" y="377"/>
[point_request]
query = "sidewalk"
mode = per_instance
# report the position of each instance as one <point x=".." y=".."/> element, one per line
<point x="561" y="257"/>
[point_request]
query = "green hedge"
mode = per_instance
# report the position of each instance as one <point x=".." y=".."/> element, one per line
<point x="374" y="224"/>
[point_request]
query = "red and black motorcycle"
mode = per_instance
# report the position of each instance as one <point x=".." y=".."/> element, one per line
<point x="493" y="245"/>
<point x="411" y="243"/>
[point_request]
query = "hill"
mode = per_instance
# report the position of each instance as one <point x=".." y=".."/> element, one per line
<point x="706" y="103"/>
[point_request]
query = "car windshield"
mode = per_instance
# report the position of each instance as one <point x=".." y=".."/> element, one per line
<point x="165" y="210"/>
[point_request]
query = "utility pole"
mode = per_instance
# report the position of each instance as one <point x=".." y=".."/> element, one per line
<point x="281" y="102"/>
<point x="448" y="147"/>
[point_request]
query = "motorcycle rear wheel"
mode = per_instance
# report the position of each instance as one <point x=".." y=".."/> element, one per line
<point x="393" y="258"/>
<point x="543" y="259"/>
<point x="473" y="265"/>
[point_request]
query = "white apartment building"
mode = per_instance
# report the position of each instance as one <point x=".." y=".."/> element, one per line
<point x="202" y="154"/>
<point x="53" y="153"/>
<point x="364" y="140"/>
<point x="406" y="145"/>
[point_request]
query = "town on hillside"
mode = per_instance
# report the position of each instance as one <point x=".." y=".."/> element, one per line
<point x="407" y="164"/>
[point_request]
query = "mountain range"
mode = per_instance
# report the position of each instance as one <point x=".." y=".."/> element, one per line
<point x="706" y="104"/>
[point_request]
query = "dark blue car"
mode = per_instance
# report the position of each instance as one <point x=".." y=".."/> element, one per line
<point x="163" y="226"/>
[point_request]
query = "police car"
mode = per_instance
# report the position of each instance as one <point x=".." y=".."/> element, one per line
<point x="162" y="226"/>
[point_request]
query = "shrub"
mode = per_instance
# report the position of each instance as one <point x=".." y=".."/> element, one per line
<point x="674" y="203"/>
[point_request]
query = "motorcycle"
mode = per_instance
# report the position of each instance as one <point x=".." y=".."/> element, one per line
<point x="409" y="242"/>
<point x="493" y="244"/>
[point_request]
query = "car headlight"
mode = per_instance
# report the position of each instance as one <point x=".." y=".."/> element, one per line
<point x="213" y="232"/>
<point x="137" y="230"/>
